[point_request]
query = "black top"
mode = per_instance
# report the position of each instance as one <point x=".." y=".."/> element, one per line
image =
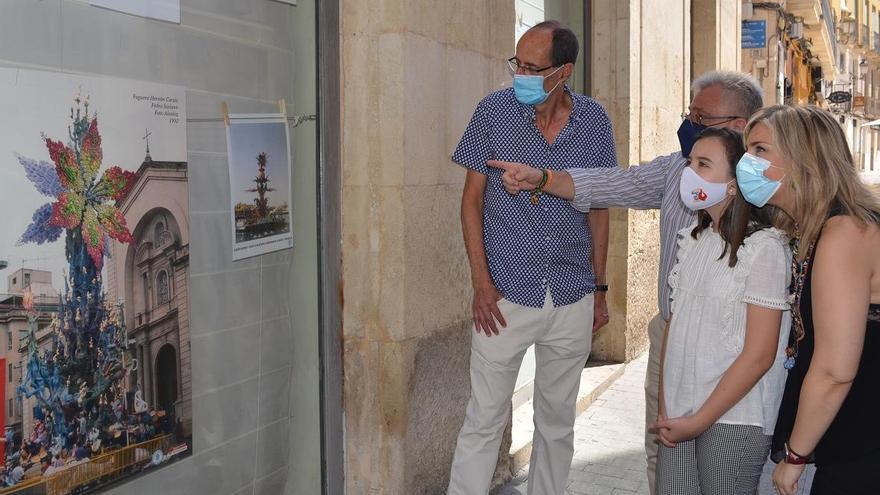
<point x="853" y="434"/>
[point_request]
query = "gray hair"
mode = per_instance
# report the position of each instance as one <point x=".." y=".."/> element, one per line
<point x="741" y="89"/>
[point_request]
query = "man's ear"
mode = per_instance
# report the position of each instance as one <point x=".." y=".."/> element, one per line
<point x="567" y="71"/>
<point x="740" y="124"/>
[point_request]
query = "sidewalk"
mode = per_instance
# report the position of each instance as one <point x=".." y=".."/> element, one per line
<point x="609" y="456"/>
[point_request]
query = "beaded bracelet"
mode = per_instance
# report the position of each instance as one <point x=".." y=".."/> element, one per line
<point x="538" y="191"/>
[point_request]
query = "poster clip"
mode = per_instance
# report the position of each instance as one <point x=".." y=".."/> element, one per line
<point x="225" y="109"/>
<point x="282" y="107"/>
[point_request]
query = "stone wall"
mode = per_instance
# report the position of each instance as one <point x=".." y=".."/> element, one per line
<point x="763" y="63"/>
<point x="641" y="74"/>
<point x="715" y="35"/>
<point x="412" y="73"/>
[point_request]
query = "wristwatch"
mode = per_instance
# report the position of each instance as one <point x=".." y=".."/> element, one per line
<point x="601" y="287"/>
<point x="792" y="457"/>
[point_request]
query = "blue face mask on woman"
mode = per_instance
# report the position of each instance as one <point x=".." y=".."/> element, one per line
<point x="529" y="90"/>
<point x="754" y="185"/>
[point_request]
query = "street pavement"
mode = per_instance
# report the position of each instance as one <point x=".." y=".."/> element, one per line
<point x="609" y="454"/>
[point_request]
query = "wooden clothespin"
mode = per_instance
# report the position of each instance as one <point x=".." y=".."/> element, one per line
<point x="282" y="108"/>
<point x="225" y="109"/>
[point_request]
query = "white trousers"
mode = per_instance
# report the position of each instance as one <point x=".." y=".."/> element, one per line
<point x="562" y="338"/>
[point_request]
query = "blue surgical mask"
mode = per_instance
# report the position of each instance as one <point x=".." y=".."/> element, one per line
<point x="529" y="90"/>
<point x="687" y="135"/>
<point x="754" y="185"/>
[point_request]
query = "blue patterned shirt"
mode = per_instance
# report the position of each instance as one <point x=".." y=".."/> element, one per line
<point x="533" y="248"/>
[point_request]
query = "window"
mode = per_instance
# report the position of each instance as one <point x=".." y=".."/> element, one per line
<point x="10" y="411"/>
<point x="9" y="341"/>
<point x="10" y="373"/>
<point x="157" y="232"/>
<point x="27" y="280"/>
<point x="163" y="291"/>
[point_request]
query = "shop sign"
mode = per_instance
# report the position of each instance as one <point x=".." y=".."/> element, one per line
<point x="839" y="97"/>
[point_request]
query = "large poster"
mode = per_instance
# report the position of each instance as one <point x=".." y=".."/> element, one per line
<point x="259" y="178"/>
<point x="164" y="10"/>
<point x="93" y="191"/>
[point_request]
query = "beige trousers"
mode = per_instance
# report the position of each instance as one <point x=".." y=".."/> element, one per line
<point x="562" y="338"/>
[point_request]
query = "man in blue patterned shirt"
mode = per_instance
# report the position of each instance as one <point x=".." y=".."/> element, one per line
<point x="536" y="262"/>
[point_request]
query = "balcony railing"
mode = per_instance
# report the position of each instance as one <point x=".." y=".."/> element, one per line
<point x="127" y="460"/>
<point x="15" y="302"/>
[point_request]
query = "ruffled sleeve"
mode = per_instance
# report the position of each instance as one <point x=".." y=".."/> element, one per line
<point x="764" y="269"/>
<point x="685" y="244"/>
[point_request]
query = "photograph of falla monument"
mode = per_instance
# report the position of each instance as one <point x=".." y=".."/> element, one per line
<point x="260" y="218"/>
<point x="98" y="366"/>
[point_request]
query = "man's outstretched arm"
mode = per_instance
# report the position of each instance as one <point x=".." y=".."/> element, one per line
<point x="639" y="186"/>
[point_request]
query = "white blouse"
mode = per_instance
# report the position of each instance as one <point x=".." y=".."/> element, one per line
<point x="708" y="326"/>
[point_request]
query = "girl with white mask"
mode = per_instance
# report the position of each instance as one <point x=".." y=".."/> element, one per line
<point x="722" y="371"/>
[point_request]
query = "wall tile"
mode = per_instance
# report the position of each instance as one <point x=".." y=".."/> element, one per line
<point x="224" y="300"/>
<point x="276" y="348"/>
<point x="274" y="396"/>
<point x="224" y="414"/>
<point x="222" y="358"/>
<point x="272" y="454"/>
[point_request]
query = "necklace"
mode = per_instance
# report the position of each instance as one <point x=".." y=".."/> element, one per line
<point x="799" y="271"/>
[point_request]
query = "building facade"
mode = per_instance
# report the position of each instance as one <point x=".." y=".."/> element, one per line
<point x="151" y="276"/>
<point x="826" y="53"/>
<point x="13" y="330"/>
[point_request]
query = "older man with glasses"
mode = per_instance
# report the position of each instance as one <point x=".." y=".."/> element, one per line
<point x="537" y="264"/>
<point x="720" y="99"/>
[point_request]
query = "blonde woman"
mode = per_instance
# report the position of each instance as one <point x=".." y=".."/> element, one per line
<point x="799" y="161"/>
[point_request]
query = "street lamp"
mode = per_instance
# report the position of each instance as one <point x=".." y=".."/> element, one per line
<point x="846" y="29"/>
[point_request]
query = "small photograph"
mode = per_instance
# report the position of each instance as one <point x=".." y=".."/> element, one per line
<point x="259" y="176"/>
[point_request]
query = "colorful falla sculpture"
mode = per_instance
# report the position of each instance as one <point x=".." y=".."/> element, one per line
<point x="77" y="381"/>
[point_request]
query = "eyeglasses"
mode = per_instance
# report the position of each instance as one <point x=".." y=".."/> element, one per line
<point x="700" y="119"/>
<point x="514" y="65"/>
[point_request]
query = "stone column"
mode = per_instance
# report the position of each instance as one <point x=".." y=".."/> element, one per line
<point x="149" y="394"/>
<point x="716" y="29"/>
<point x="412" y="74"/>
<point x="141" y="371"/>
<point x="640" y="74"/>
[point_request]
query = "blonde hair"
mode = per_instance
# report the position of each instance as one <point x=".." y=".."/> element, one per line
<point x="822" y="175"/>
